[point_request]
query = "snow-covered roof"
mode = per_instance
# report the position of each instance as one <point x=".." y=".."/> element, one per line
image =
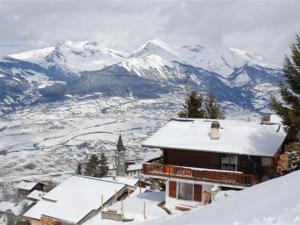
<point x="134" y="167"/>
<point x="236" y="137"/>
<point x="37" y="195"/>
<point x="15" y="208"/>
<point x="74" y="198"/>
<point x="123" y="180"/>
<point x="26" y="185"/>
<point x="6" y="206"/>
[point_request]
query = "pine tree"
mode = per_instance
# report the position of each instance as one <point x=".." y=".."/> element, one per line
<point x="193" y="106"/>
<point x="79" y="169"/>
<point x="293" y="153"/>
<point x="197" y="106"/>
<point x="92" y="167"/>
<point x="103" y="167"/>
<point x="289" y="111"/>
<point x="213" y="110"/>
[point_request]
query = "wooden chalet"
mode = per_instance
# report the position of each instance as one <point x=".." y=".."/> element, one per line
<point x="202" y="156"/>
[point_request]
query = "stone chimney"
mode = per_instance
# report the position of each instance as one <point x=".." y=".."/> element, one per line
<point x="266" y="118"/>
<point x="215" y="130"/>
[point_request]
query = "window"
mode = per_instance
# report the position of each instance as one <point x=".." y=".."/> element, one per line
<point x="185" y="191"/>
<point x="229" y="162"/>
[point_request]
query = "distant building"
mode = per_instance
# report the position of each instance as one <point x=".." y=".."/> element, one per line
<point x="202" y="156"/>
<point x="25" y="187"/>
<point x="134" y="170"/>
<point x="131" y="170"/>
<point x="111" y="170"/>
<point x="10" y="211"/>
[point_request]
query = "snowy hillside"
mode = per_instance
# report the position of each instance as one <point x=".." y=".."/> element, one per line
<point x="273" y="202"/>
<point x="20" y="82"/>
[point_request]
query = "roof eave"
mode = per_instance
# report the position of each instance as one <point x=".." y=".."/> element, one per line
<point x="200" y="150"/>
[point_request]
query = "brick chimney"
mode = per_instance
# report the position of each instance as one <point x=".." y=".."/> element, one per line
<point x="215" y="130"/>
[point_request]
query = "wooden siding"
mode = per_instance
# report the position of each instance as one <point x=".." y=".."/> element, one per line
<point x="197" y="192"/>
<point x="192" y="159"/>
<point x="210" y="160"/>
<point x="172" y="189"/>
<point x="250" y="165"/>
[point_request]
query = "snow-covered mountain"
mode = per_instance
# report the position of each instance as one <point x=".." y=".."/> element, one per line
<point x="223" y="61"/>
<point x="233" y="75"/>
<point x="73" y="57"/>
<point x="20" y="82"/>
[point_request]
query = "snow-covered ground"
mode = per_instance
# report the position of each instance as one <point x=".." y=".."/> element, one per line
<point x="275" y="202"/>
<point x="52" y="138"/>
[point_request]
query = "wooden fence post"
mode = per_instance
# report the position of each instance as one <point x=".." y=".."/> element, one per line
<point x="145" y="216"/>
<point x="122" y="210"/>
<point x="101" y="206"/>
<point x="140" y="186"/>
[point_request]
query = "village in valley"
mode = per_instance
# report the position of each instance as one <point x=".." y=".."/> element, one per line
<point x="192" y="172"/>
<point x="155" y="135"/>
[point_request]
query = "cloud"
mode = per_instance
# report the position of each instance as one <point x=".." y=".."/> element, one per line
<point x="266" y="27"/>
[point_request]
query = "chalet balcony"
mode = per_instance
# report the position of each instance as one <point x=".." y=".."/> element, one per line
<point x="227" y="178"/>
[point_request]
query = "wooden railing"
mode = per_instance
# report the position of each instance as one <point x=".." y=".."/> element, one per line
<point x="213" y="176"/>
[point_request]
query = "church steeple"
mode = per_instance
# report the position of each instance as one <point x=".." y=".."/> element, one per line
<point x="120" y="146"/>
<point x="120" y="158"/>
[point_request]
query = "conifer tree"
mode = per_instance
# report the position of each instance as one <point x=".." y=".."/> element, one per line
<point x="103" y="167"/>
<point x="92" y="167"/>
<point x="289" y="110"/>
<point x="193" y="106"/>
<point x="197" y="106"/>
<point x="79" y="169"/>
<point x="213" y="110"/>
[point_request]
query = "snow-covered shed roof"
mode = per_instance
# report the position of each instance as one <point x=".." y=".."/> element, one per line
<point x="134" y="167"/>
<point x="26" y="185"/>
<point x="74" y="198"/>
<point x="37" y="195"/>
<point x="236" y="137"/>
<point x="123" y="180"/>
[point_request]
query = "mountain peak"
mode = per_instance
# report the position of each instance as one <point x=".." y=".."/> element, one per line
<point x="156" y="47"/>
<point x="33" y="54"/>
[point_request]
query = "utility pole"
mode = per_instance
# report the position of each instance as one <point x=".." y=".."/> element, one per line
<point x="186" y="85"/>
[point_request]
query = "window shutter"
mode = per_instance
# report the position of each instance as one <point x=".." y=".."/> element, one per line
<point x="197" y="192"/>
<point x="172" y="189"/>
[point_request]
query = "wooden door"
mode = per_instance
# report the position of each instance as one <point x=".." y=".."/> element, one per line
<point x="172" y="189"/>
<point x="197" y="192"/>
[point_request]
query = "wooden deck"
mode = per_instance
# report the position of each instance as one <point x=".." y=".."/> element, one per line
<point x="230" y="178"/>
